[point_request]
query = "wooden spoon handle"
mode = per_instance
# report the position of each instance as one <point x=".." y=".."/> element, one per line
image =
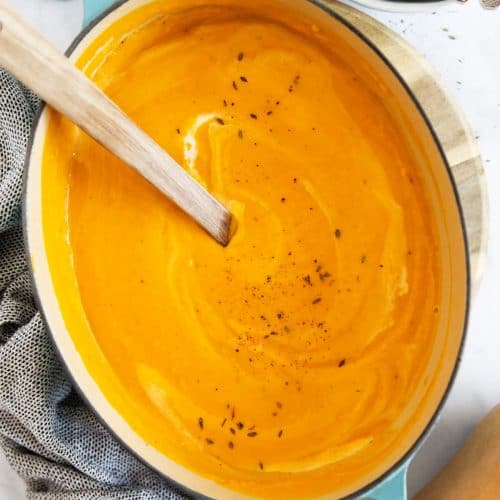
<point x="42" y="68"/>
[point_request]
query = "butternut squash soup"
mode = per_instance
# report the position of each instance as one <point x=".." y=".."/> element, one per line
<point x="286" y="364"/>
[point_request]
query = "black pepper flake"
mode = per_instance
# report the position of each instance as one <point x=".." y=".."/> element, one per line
<point x="232" y="431"/>
<point x="317" y="300"/>
<point x="338" y="233"/>
<point x="436" y="309"/>
<point x="225" y="103"/>
<point x="233" y="413"/>
<point x="230" y="444"/>
<point x="269" y="113"/>
<point x="252" y="434"/>
<point x="223" y="422"/>
<point x="324" y="275"/>
<point x="240" y="425"/>
<point x="279" y="405"/>
<point x="280" y="433"/>
<point x="209" y="441"/>
<point x="240" y="134"/>
<point x="240" y="56"/>
<point x="200" y="422"/>
<point x="261" y="465"/>
<point x="279" y="315"/>
<point x="363" y="259"/>
<point x="275" y="414"/>
<point x="220" y="121"/>
<point x="244" y="79"/>
<point x="178" y="130"/>
<point x="290" y="89"/>
<point x="235" y="87"/>
<point x="341" y="363"/>
<point x="283" y="199"/>
<point x="253" y="115"/>
<point x="307" y="279"/>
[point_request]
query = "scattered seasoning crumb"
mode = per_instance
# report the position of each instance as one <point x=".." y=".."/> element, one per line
<point x="341" y="363"/>
<point x="278" y="404"/>
<point x="253" y="115"/>
<point x="209" y="441"/>
<point x="220" y="121"/>
<point x="240" y="134"/>
<point x="324" y="275"/>
<point x="232" y="431"/>
<point x="235" y="87"/>
<point x="230" y="444"/>
<point x="317" y="300"/>
<point x="225" y="103"/>
<point x="223" y="422"/>
<point x="261" y="465"/>
<point x="274" y="414"/>
<point x="381" y="266"/>
<point x="279" y="315"/>
<point x="252" y="434"/>
<point x="280" y="433"/>
<point x="240" y="425"/>
<point x="178" y="130"/>
<point x="200" y="422"/>
<point x="240" y="56"/>
<point x="233" y="413"/>
<point x="307" y="279"/>
<point x="244" y="79"/>
<point x="338" y="233"/>
<point x="283" y="199"/>
<point x="363" y="259"/>
<point x="290" y="89"/>
<point x="269" y="113"/>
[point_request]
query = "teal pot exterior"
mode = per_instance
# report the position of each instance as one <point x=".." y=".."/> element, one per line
<point x="391" y="485"/>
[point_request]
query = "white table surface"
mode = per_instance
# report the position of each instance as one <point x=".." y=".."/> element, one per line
<point x="462" y="42"/>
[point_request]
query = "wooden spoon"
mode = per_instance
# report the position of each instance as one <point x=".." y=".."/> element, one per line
<point x="36" y="63"/>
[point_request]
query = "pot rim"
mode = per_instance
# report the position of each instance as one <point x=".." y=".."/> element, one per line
<point x="408" y="455"/>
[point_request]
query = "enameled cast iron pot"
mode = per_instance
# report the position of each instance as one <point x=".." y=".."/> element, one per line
<point x="459" y="205"/>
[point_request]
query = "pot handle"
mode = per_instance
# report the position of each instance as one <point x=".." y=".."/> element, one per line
<point x="92" y="8"/>
<point x="392" y="487"/>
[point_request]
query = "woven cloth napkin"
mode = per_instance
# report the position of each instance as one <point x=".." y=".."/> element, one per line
<point x="48" y="434"/>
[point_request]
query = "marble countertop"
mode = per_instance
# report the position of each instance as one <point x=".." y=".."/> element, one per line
<point x="461" y="42"/>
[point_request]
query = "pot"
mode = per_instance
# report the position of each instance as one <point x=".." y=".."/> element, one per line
<point x="455" y="184"/>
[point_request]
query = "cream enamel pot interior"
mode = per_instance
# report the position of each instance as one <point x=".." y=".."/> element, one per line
<point x="459" y="204"/>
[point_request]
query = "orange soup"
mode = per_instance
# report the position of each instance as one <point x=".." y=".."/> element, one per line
<point x="287" y="363"/>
